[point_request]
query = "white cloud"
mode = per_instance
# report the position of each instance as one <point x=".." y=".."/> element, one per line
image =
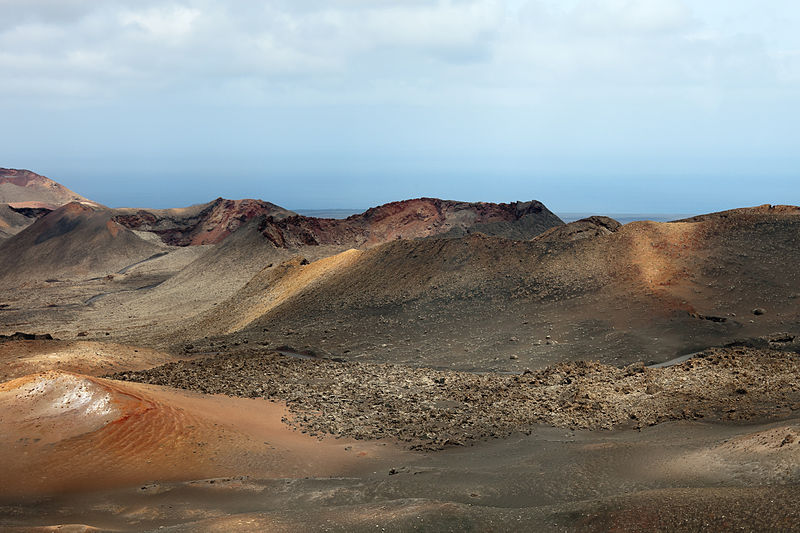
<point x="381" y="49"/>
<point x="443" y="25"/>
<point x="646" y="16"/>
<point x="170" y="23"/>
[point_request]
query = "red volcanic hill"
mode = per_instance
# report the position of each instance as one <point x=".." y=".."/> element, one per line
<point x="199" y="224"/>
<point x="75" y="240"/>
<point x="421" y="217"/>
<point x="26" y="189"/>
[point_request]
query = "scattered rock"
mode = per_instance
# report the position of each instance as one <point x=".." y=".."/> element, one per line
<point x="652" y="389"/>
<point x="433" y="409"/>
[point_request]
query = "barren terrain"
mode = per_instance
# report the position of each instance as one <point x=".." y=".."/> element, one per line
<point x="427" y="364"/>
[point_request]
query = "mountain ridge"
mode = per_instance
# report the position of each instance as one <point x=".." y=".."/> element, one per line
<point x="24" y="188"/>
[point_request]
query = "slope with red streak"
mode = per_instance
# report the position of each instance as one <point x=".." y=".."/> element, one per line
<point x="421" y="217"/>
<point x="208" y="224"/>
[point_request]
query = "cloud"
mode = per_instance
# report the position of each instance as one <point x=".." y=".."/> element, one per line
<point x="383" y="50"/>
<point x="638" y="16"/>
<point x="169" y="23"/>
<point x="16" y="12"/>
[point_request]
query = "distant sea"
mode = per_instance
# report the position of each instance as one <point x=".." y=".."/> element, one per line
<point x="622" y="218"/>
<point x="328" y="213"/>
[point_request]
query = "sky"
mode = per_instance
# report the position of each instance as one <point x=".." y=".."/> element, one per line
<point x="615" y="106"/>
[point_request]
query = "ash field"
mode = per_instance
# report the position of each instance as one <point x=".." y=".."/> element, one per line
<point x="425" y="365"/>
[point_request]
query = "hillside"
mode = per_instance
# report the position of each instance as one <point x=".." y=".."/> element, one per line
<point x="211" y="223"/>
<point x="74" y="241"/>
<point x="12" y="221"/>
<point x="409" y="219"/>
<point x="645" y="290"/>
<point x="23" y="188"/>
<point x="208" y="223"/>
<point x="270" y="240"/>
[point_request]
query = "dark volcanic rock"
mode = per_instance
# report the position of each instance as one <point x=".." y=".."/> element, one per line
<point x="432" y="409"/>
<point x="585" y="228"/>
<point x="20" y="336"/>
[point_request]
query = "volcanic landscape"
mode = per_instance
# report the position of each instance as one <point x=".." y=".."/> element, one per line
<point x="424" y="365"/>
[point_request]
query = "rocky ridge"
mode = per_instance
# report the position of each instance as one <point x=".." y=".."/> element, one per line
<point x="207" y="223"/>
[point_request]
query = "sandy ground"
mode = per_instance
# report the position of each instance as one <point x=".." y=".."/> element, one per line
<point x="64" y="432"/>
<point x="20" y="358"/>
<point x="551" y="480"/>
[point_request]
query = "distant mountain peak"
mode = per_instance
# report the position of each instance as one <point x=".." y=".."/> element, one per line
<point x="22" y="188"/>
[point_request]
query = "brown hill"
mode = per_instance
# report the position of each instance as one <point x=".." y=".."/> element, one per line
<point x="586" y="228"/>
<point x="75" y="240"/>
<point x="765" y="213"/>
<point x="200" y="224"/>
<point x="226" y="268"/>
<point x="23" y="188"/>
<point x="645" y="290"/>
<point x="216" y="274"/>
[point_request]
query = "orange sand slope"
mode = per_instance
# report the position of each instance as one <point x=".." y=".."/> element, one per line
<point x="65" y="432"/>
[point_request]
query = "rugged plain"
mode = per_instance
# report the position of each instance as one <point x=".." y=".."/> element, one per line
<point x="427" y="364"/>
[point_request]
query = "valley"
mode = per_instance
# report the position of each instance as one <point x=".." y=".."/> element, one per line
<point x="429" y="364"/>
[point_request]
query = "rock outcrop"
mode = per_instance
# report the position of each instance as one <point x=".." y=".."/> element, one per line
<point x="207" y="223"/>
